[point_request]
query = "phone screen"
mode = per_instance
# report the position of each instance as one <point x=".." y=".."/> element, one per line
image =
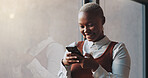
<point x="74" y="50"/>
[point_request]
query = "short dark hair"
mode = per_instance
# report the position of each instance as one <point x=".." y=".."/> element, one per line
<point x="92" y="8"/>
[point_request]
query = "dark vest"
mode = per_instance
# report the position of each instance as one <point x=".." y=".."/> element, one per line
<point x="105" y="60"/>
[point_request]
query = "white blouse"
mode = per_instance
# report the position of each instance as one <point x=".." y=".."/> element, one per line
<point x="120" y="65"/>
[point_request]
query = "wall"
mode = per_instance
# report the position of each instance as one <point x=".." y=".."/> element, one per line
<point x="124" y="24"/>
<point x="30" y="26"/>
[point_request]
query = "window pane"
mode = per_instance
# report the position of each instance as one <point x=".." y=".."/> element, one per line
<point x="34" y="34"/>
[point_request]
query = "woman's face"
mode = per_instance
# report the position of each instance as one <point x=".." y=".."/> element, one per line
<point x="90" y="26"/>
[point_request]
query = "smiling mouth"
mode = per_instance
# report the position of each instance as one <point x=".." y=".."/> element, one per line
<point x="89" y="35"/>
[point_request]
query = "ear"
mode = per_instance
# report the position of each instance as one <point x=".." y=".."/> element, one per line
<point x="103" y="20"/>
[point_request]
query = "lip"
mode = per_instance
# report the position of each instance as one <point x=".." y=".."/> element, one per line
<point x="89" y="35"/>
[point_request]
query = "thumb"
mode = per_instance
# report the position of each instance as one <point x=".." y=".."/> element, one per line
<point x="88" y="55"/>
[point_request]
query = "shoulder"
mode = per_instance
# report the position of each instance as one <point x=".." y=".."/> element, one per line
<point x="119" y="45"/>
<point x="120" y="50"/>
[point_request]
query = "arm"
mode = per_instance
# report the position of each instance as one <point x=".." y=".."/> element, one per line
<point x="120" y="66"/>
<point x="64" y="71"/>
<point x="85" y="63"/>
<point x="69" y="59"/>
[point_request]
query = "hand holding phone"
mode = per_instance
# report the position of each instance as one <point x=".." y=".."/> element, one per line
<point x="74" y="50"/>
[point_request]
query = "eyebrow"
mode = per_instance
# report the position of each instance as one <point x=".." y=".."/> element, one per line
<point x="80" y="24"/>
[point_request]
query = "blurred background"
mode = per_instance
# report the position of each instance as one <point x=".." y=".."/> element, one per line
<point x="34" y="33"/>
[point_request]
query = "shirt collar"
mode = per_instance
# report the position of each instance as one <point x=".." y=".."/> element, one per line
<point x="101" y="42"/>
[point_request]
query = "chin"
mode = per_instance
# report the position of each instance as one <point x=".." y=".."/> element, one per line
<point x="90" y="39"/>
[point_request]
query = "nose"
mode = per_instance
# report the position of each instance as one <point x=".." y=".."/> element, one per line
<point x="86" y="29"/>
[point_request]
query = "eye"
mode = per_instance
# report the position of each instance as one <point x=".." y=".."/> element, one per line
<point x="90" y="25"/>
<point x="82" y="26"/>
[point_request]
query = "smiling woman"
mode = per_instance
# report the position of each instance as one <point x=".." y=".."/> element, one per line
<point x="102" y="58"/>
<point x="124" y="22"/>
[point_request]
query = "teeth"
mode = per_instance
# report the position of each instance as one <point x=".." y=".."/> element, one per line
<point x="88" y="34"/>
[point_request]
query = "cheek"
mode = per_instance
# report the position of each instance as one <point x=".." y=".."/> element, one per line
<point x="82" y="31"/>
<point x="96" y="31"/>
<point x="93" y="29"/>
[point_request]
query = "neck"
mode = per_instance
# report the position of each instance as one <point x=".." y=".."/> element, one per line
<point x="101" y="37"/>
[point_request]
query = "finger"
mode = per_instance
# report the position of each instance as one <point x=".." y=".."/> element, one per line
<point x="78" y="56"/>
<point x="71" y="57"/>
<point x="73" y="61"/>
<point x="68" y="54"/>
<point x="88" y="55"/>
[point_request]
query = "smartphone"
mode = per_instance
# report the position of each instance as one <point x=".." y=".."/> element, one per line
<point x="74" y="50"/>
